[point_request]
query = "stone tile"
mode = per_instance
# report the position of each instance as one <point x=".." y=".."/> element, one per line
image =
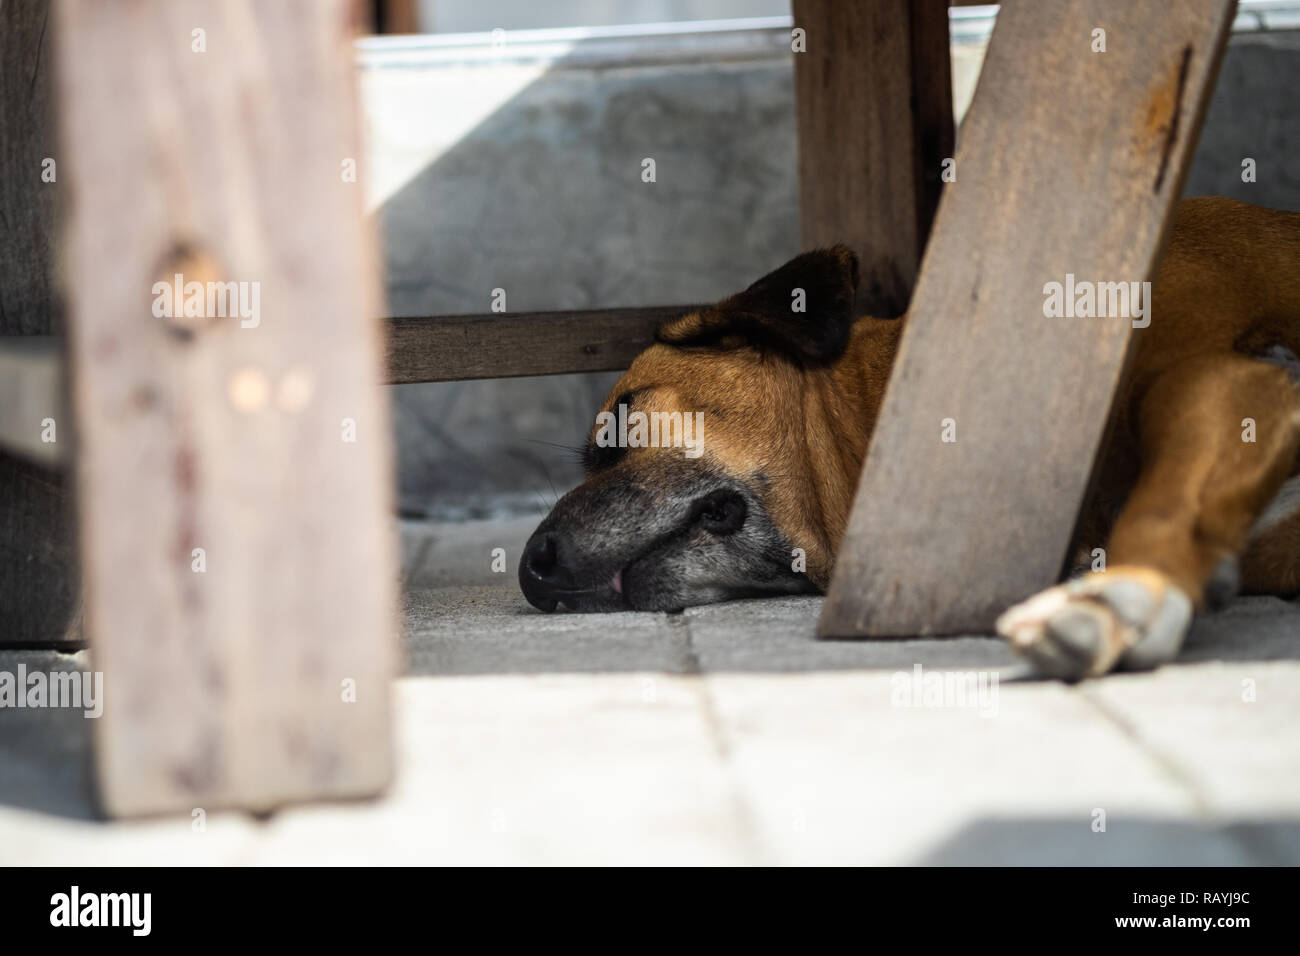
<point x="592" y="769"/>
<point x="492" y="630"/>
<point x="1240" y="757"/>
<point x="580" y="741"/>
<point x="38" y="839"/>
<point x="779" y="634"/>
<point x="834" y="772"/>
<point x="442" y="555"/>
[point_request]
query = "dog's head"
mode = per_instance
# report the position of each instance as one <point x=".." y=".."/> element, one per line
<point x="723" y="463"/>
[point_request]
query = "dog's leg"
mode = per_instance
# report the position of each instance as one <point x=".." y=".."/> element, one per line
<point x="1218" y="437"/>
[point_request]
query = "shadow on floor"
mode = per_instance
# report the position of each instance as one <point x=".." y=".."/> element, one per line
<point x="45" y="752"/>
<point x="490" y="629"/>
<point x="1125" y="842"/>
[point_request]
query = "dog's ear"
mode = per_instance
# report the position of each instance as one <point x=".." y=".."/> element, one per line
<point x="804" y="310"/>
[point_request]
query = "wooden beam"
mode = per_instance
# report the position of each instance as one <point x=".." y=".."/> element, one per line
<point x="873" y="94"/>
<point x="439" y="348"/>
<point x="395" y="16"/>
<point x="233" y="473"/>
<point x="1069" y="164"/>
<point x="446" y="348"/>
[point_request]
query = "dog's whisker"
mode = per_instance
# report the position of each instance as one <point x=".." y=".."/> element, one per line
<point x="573" y="452"/>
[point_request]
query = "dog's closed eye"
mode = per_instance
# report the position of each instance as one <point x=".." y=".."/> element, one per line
<point x="599" y="457"/>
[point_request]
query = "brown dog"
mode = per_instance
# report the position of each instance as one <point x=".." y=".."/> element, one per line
<point x="1197" y="489"/>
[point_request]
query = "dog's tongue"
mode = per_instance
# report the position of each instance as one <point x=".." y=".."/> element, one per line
<point x="617" y="583"/>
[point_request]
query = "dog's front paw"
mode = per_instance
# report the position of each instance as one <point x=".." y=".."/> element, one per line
<point x="1134" y="617"/>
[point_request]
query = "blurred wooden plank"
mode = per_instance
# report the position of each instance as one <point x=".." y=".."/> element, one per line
<point x="232" y="685"/>
<point x="1070" y="163"/>
<point x="873" y="94"/>
<point x="440" y="348"/>
<point x="395" y="16"/>
<point x="445" y="348"/>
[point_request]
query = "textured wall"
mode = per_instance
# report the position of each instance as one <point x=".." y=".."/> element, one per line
<point x="540" y="193"/>
<point x="1255" y="112"/>
<point x="545" y="199"/>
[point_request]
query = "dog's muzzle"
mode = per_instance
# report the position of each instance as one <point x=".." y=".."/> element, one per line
<point x="547" y="581"/>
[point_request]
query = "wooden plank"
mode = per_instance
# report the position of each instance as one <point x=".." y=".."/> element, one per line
<point x="873" y="94"/>
<point x="440" y="348"/>
<point x="447" y="348"/>
<point x="395" y="16"/>
<point x="263" y="677"/>
<point x="1069" y="163"/>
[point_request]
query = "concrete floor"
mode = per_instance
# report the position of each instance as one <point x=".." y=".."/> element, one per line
<point x="729" y="735"/>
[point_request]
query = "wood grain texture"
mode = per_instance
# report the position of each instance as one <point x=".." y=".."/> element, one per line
<point x="226" y="687"/>
<point x="873" y="94"/>
<point x="447" y="348"/>
<point x="1069" y="163"/>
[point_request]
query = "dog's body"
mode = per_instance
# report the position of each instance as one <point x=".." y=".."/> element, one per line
<point x="1197" y="485"/>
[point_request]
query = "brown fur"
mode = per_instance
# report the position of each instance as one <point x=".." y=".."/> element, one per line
<point x="1184" y="485"/>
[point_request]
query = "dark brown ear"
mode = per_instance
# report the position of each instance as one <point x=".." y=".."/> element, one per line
<point x="803" y="310"/>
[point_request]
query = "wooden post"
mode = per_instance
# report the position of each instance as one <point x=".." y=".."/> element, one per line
<point x="1070" y="161"/>
<point x="233" y="471"/>
<point x="394" y="16"/>
<point x="873" y="94"/>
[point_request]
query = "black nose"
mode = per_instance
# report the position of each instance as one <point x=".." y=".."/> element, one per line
<point x="540" y="557"/>
<point x="538" y="571"/>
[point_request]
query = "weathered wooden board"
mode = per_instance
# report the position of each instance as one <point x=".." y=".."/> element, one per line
<point x="873" y="94"/>
<point x="1069" y="163"/>
<point x="439" y="348"/>
<point x="444" y="348"/>
<point x="259" y="676"/>
<point x="395" y="16"/>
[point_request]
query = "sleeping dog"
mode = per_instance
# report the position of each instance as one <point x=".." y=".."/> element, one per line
<point x="1197" y="493"/>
